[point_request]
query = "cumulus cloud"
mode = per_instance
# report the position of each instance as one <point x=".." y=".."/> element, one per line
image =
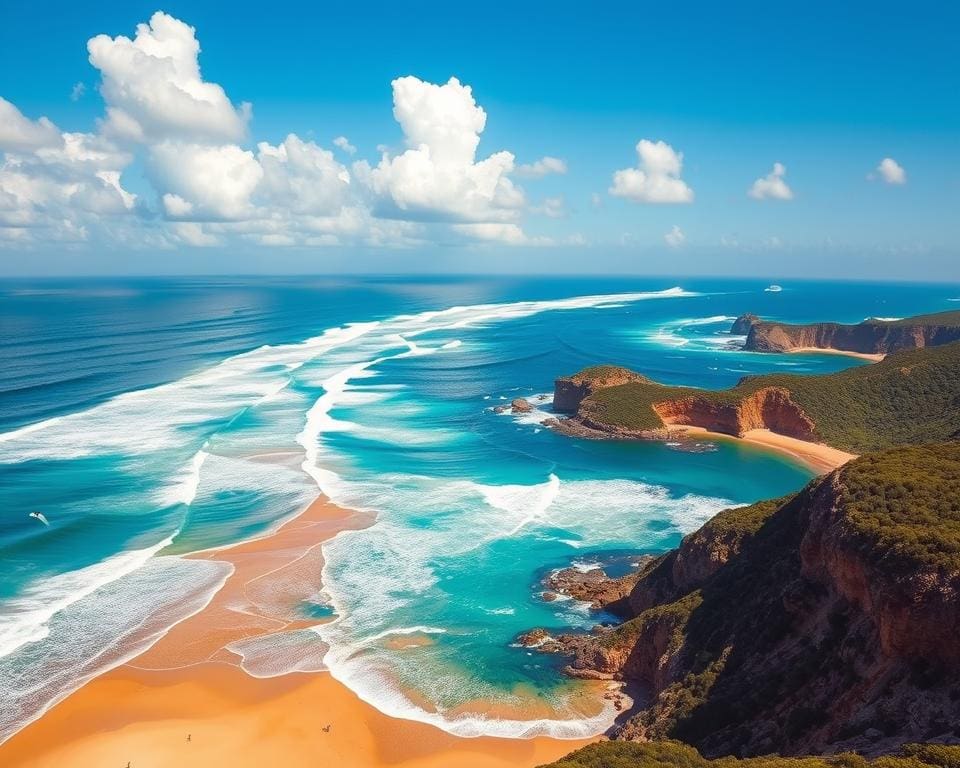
<point x="342" y="142"/>
<point x="438" y="178"/>
<point x="542" y="167"/>
<point x="154" y="90"/>
<point x="772" y="186"/>
<point x="675" y="237"/>
<point x="205" y="182"/>
<point x="209" y="186"/>
<point x="891" y="171"/>
<point x="656" y="179"/>
<point x="19" y="133"/>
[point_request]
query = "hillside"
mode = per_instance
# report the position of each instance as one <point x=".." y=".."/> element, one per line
<point x="872" y="336"/>
<point x="825" y="621"/>
<point x="912" y="396"/>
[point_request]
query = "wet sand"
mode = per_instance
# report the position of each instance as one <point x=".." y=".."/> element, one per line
<point x="189" y="684"/>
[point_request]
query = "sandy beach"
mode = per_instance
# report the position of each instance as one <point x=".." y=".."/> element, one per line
<point x="875" y="358"/>
<point x="187" y="702"/>
<point x="820" y="458"/>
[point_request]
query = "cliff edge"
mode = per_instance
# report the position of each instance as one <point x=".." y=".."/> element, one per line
<point x="871" y="337"/>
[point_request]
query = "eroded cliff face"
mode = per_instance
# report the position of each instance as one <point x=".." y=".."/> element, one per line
<point x="916" y="614"/>
<point x="869" y="337"/>
<point x="774" y="630"/>
<point x="769" y="408"/>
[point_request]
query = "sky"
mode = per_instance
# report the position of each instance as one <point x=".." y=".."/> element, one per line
<point x="748" y="138"/>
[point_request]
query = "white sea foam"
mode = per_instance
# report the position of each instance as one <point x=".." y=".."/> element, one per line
<point x="26" y="615"/>
<point x="387" y="570"/>
<point x="182" y="425"/>
<point x="103" y="629"/>
<point x="183" y="488"/>
<point x="281" y="653"/>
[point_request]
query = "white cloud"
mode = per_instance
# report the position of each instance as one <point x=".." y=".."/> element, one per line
<point x="551" y="207"/>
<point x="302" y="177"/>
<point x="209" y="187"/>
<point x="154" y="90"/>
<point x="439" y="178"/>
<point x="675" y="237"/>
<point x="657" y="177"/>
<point x="205" y="182"/>
<point x="596" y="200"/>
<point x="772" y="186"/>
<point x="542" y="167"/>
<point x="891" y="171"/>
<point x="77" y="92"/>
<point x="20" y="134"/>
<point x="344" y="143"/>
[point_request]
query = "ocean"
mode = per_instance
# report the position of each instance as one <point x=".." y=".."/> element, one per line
<point x="150" y="418"/>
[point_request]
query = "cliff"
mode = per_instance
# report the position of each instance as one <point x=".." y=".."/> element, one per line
<point x="569" y="391"/>
<point x="872" y="336"/>
<point x="822" y="622"/>
<point x="911" y="397"/>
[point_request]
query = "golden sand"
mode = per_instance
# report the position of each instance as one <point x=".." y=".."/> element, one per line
<point x="818" y="457"/>
<point x="185" y="702"/>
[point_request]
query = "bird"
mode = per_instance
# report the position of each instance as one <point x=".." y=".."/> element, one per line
<point x="39" y="516"/>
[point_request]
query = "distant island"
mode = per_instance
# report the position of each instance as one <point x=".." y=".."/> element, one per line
<point x="872" y="337"/>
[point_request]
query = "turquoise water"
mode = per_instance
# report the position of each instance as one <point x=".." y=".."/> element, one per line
<point x="148" y="419"/>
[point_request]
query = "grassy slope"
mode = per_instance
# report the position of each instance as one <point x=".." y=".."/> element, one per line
<point x="910" y="397"/>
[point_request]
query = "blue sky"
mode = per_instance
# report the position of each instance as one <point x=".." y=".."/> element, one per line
<point x="826" y="90"/>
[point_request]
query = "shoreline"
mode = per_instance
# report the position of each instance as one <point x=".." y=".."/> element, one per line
<point x="873" y="358"/>
<point x="189" y="682"/>
<point x="816" y="456"/>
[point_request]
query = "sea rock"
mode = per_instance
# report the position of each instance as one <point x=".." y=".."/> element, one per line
<point x="595" y="587"/>
<point x="519" y="405"/>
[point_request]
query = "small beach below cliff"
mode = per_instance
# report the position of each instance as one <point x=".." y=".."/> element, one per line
<point x="818" y="457"/>
<point x="873" y="358"/>
<point x="202" y="695"/>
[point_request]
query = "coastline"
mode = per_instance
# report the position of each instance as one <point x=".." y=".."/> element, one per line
<point x="873" y="358"/>
<point x="818" y="457"/>
<point x="190" y="683"/>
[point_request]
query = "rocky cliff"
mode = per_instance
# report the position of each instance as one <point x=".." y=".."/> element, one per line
<point x="768" y="408"/>
<point x="822" y="622"/>
<point x="569" y="391"/>
<point x="908" y="398"/>
<point x="872" y="336"/>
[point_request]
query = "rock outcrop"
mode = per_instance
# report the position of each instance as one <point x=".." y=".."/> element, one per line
<point x="821" y="622"/>
<point x="872" y="336"/>
<point x="520" y="405"/>
<point x="569" y="391"/>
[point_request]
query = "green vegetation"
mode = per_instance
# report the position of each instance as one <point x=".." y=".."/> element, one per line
<point x="911" y="397"/>
<point x="672" y="754"/>
<point x="903" y="506"/>
<point x="946" y="319"/>
<point x="742" y="521"/>
<point x="759" y="652"/>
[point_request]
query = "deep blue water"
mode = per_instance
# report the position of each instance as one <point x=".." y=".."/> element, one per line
<point x="149" y="418"/>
